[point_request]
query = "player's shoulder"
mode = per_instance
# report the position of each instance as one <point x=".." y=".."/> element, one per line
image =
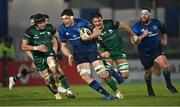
<point x="61" y="27"/>
<point x="30" y="29"/>
<point x="80" y="21"/>
<point x="138" y="23"/>
<point x="107" y="21"/>
<point x="156" y="20"/>
<point x="50" y="27"/>
<point x="110" y="22"/>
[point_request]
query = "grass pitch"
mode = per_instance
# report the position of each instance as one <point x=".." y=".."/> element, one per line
<point x="134" y="95"/>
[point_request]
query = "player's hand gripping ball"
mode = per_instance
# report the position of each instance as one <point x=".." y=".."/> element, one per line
<point x="85" y="33"/>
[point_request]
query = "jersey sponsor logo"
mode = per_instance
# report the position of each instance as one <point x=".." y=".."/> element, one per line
<point x="151" y="33"/>
<point x="36" y="36"/>
<point x="74" y="36"/>
<point x="110" y="31"/>
<point x="154" y="34"/>
<point x="42" y="33"/>
<point x="154" y="27"/>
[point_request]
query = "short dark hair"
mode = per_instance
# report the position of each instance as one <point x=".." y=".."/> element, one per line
<point x="32" y="17"/>
<point x="39" y="18"/>
<point x="96" y="14"/>
<point x="67" y="12"/>
<point x="46" y="16"/>
<point x="146" y="8"/>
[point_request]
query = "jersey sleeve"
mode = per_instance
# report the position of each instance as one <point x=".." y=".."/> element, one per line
<point x="62" y="38"/>
<point x="162" y="27"/>
<point x="51" y="28"/>
<point x="100" y="47"/>
<point x="135" y="29"/>
<point x="27" y="35"/>
<point x="87" y="24"/>
<point x="115" y="24"/>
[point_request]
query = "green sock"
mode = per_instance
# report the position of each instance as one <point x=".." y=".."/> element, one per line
<point x="64" y="82"/>
<point x="112" y="84"/>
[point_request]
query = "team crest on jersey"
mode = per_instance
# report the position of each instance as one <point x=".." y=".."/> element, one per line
<point x="124" y="55"/>
<point x="67" y="33"/>
<point x="98" y="56"/>
<point x="48" y="33"/>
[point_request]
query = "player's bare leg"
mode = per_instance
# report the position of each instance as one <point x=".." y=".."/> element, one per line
<point x="56" y="70"/>
<point x="50" y="83"/>
<point x="163" y="63"/>
<point x="156" y="69"/>
<point x="123" y="67"/>
<point x="101" y="71"/>
<point x="23" y="72"/>
<point x="84" y="70"/>
<point x="114" y="73"/>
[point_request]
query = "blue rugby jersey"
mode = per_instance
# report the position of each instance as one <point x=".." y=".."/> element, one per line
<point x="72" y="35"/>
<point x="152" y="42"/>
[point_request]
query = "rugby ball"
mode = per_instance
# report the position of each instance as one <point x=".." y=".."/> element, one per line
<point x="85" y="32"/>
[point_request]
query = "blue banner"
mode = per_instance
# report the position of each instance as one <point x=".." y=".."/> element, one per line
<point x="3" y="17"/>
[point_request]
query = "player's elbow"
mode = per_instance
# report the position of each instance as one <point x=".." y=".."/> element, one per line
<point x="124" y="25"/>
<point x="23" y="47"/>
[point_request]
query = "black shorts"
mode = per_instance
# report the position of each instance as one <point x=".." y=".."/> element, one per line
<point x="86" y="57"/>
<point x="148" y="61"/>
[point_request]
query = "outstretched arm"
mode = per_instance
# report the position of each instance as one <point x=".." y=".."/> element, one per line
<point x="55" y="42"/>
<point x="134" y="37"/>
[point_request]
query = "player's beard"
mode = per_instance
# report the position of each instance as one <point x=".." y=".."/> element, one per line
<point x="145" y="20"/>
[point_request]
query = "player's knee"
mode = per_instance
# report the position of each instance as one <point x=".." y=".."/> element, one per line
<point x="86" y="77"/>
<point x="125" y="75"/>
<point x="101" y="71"/>
<point x="53" y="69"/>
<point x="60" y="70"/>
<point x="85" y="74"/>
<point x="165" y="67"/>
<point x="147" y="73"/>
<point x="53" y="66"/>
<point x="103" y="74"/>
<point x="50" y="79"/>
